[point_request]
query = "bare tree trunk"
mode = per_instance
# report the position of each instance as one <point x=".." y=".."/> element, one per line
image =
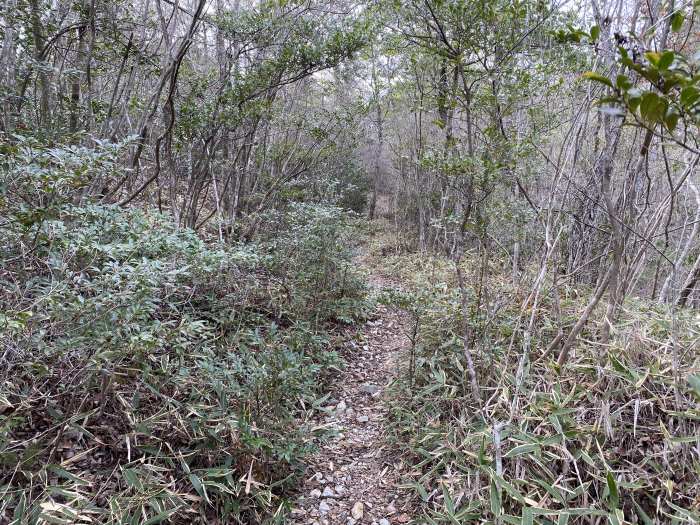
<point x="8" y="66"/>
<point x="75" y="84"/>
<point x="44" y="117"/>
<point x="377" y="161"/>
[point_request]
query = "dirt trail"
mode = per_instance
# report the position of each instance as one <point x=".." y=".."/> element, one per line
<point x="354" y="476"/>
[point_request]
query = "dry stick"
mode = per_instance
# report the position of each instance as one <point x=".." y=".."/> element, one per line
<point x="534" y="297"/>
<point x="628" y="229"/>
<point x="576" y="330"/>
<point x="218" y="209"/>
<point x="223" y="193"/>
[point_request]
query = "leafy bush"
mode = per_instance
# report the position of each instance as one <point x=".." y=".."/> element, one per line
<point x="310" y="246"/>
<point x="148" y="376"/>
<point x="612" y="437"/>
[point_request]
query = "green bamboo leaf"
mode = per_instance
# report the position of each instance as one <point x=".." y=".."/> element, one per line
<point x="421" y="491"/>
<point x="643" y="516"/>
<point x="614" y="498"/>
<point x="521" y="449"/>
<point x="161" y="517"/>
<point x="448" y="500"/>
<point x="495" y="499"/>
<point x="199" y="487"/>
<point x="62" y="473"/>
<point x="694" y="382"/>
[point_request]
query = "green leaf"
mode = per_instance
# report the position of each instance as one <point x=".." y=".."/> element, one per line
<point x="595" y="33"/>
<point x="677" y="21"/>
<point x="197" y="484"/>
<point x="421" y="491"/>
<point x="528" y="518"/>
<point x="612" y="488"/>
<point x="666" y="60"/>
<point x="161" y="517"/>
<point x="643" y="516"/>
<point x="671" y="119"/>
<point x="694" y="382"/>
<point x="613" y="519"/>
<point x="652" y="108"/>
<point x="634" y="98"/>
<point x="689" y="96"/>
<point x="495" y="499"/>
<point x="620" y="367"/>
<point x="554" y="492"/>
<point x="597" y="77"/>
<point x="653" y="57"/>
<point x="623" y="82"/>
<point x="62" y="473"/>
<point x="449" y="504"/>
<point x="132" y="479"/>
<point x="521" y="449"/>
<point x="651" y="73"/>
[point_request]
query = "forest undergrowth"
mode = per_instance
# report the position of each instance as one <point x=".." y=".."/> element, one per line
<point x="150" y="376"/>
<point x="611" y="437"/>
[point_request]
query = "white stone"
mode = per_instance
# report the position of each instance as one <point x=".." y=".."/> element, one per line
<point x="358" y="510"/>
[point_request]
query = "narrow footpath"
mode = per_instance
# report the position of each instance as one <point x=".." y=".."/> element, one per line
<point x="354" y="476"/>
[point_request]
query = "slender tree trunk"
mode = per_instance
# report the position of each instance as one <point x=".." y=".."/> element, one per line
<point x="8" y="66"/>
<point x="44" y="117"/>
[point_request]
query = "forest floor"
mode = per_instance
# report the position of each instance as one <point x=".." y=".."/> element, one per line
<point x="355" y="476"/>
